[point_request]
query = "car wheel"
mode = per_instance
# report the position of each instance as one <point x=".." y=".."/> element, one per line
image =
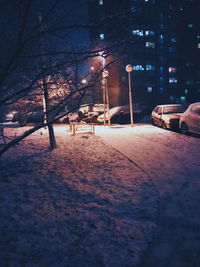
<point x="153" y="122"/>
<point x="184" y="128"/>
<point x="164" y="125"/>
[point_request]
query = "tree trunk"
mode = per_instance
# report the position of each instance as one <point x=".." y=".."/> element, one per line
<point x="52" y="138"/>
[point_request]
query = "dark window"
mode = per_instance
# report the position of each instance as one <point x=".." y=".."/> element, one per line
<point x="156" y="109"/>
<point x="160" y="110"/>
<point x="173" y="109"/>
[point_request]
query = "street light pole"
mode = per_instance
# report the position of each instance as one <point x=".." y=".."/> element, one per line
<point x="105" y="77"/>
<point x="103" y="85"/>
<point x="129" y="69"/>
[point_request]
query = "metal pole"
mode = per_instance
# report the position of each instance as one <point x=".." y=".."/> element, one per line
<point x="104" y="102"/>
<point x="104" y="90"/>
<point x="107" y="99"/>
<point x="130" y="98"/>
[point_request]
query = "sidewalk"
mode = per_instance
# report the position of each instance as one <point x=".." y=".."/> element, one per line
<point x="172" y="162"/>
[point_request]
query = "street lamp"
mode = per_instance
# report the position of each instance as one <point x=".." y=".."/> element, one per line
<point x="129" y="69"/>
<point x="84" y="81"/>
<point x="105" y="74"/>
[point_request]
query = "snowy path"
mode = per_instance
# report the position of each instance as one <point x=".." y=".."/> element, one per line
<point x="173" y="163"/>
<point x="81" y="205"/>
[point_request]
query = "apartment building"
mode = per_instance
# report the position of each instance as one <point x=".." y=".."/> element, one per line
<point x="160" y="39"/>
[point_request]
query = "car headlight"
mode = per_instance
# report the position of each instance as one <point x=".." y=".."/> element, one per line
<point x="167" y="120"/>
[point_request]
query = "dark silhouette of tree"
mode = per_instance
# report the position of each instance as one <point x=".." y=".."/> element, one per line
<point x="38" y="56"/>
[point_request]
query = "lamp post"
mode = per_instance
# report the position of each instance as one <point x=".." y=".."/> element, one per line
<point x="103" y="61"/>
<point x="129" y="69"/>
<point x="105" y="74"/>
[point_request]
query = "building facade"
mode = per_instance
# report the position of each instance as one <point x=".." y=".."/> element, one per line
<point x="160" y="39"/>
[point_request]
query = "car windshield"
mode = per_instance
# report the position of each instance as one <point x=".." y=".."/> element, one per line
<point x="173" y="109"/>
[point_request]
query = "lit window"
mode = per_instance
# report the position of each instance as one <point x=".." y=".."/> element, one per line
<point x="138" y="67"/>
<point x="161" y="79"/>
<point x="198" y="36"/>
<point x="102" y="36"/>
<point x="161" y="69"/>
<point x="190" y="26"/>
<point x="149" y="89"/>
<point x="198" y="46"/>
<point x="133" y="9"/>
<point x="186" y="91"/>
<point x="101" y="2"/>
<point x="150" y="67"/>
<point x="172" y="69"/>
<point x="183" y="98"/>
<point x="173" y="80"/>
<point x="173" y="40"/>
<point x="138" y="32"/>
<point x="150" y="44"/>
<point x="161" y="36"/>
<point x="161" y="89"/>
<point x="149" y="33"/>
<point x="190" y="82"/>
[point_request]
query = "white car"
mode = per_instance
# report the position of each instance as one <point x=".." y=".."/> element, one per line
<point x="190" y="119"/>
<point x="121" y="114"/>
<point x="167" y="116"/>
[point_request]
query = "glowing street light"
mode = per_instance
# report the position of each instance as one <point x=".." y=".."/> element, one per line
<point x="84" y="81"/>
<point x="129" y="69"/>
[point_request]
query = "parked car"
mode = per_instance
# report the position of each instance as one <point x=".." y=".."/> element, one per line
<point x="190" y="119"/>
<point x="91" y="112"/>
<point x="121" y="114"/>
<point x="76" y="116"/>
<point x="86" y="112"/>
<point x="10" y="117"/>
<point x="167" y="116"/>
<point x="63" y="119"/>
<point x="91" y="117"/>
<point x="36" y="116"/>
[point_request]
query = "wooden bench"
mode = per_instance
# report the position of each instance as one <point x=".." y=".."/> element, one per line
<point x="2" y="133"/>
<point x="82" y="127"/>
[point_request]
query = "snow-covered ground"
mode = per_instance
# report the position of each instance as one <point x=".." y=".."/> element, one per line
<point x="83" y="204"/>
<point x="172" y="161"/>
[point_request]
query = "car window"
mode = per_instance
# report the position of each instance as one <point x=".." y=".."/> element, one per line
<point x="156" y="109"/>
<point x="173" y="109"/>
<point x="196" y="109"/>
<point x="160" y="110"/>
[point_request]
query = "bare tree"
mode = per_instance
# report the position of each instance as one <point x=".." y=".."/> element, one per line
<point x="36" y="47"/>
